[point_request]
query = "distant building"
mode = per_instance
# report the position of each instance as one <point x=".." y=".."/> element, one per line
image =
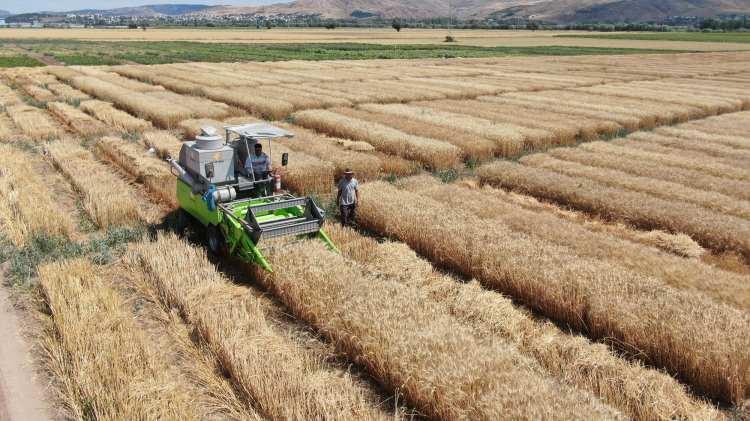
<point x="2" y="23"/>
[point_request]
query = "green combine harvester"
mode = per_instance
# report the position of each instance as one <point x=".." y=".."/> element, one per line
<point x="233" y="203"/>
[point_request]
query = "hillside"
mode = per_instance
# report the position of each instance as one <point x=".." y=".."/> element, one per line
<point x="148" y="10"/>
<point x="563" y="11"/>
<point x="4" y="13"/>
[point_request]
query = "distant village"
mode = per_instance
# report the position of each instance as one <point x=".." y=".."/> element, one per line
<point x="358" y="19"/>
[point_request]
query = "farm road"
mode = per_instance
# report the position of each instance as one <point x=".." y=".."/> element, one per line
<point x="22" y="397"/>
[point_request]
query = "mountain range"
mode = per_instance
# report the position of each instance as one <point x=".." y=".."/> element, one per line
<point x="558" y="11"/>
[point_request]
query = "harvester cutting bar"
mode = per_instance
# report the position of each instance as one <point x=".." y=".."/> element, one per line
<point x="277" y="216"/>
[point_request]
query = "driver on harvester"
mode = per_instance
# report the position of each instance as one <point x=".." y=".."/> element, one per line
<point x="259" y="164"/>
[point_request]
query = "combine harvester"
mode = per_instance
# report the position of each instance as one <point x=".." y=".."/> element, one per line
<point x="235" y="207"/>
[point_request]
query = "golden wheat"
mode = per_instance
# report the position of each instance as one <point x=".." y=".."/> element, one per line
<point x="115" y="119"/>
<point x="107" y="199"/>
<point x="76" y="119"/>
<point x="711" y="229"/>
<point x="33" y="122"/>
<point x="404" y="346"/>
<point x="101" y="362"/>
<point x="26" y="203"/>
<point x="602" y="299"/>
<point x="134" y="159"/>
<point x="435" y="153"/>
<point x="639" y="392"/>
<point x="277" y="376"/>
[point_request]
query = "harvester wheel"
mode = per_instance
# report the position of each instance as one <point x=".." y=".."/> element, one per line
<point x="216" y="243"/>
<point x="182" y="223"/>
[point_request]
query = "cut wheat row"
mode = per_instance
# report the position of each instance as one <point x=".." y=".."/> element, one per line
<point x="662" y="189"/>
<point x="508" y="137"/>
<point x="431" y="152"/>
<point x="25" y="201"/>
<point x="115" y="119"/>
<point x="107" y="199"/>
<point x="475" y="148"/>
<point x="676" y="147"/>
<point x="713" y="230"/>
<point x="104" y="368"/>
<point x="405" y="346"/>
<point x="641" y="393"/>
<point x="34" y="122"/>
<point x="190" y="361"/>
<point x="280" y="379"/>
<point x="695" y="137"/>
<point x="134" y="159"/>
<point x="77" y="120"/>
<point x="708" y="166"/>
<point x="498" y="206"/>
<point x="642" y="168"/>
<point x="625" y="308"/>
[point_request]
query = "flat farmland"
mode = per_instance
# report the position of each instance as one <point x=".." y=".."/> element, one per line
<point x="546" y="237"/>
<point x="484" y="38"/>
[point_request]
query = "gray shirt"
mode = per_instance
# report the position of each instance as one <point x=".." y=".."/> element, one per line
<point x="260" y="164"/>
<point x="348" y="189"/>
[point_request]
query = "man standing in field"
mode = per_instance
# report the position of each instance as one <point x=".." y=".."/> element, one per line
<point x="348" y="197"/>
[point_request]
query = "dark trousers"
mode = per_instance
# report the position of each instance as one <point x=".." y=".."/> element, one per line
<point x="348" y="213"/>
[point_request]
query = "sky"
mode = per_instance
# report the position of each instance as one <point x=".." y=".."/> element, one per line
<point x="26" y="6"/>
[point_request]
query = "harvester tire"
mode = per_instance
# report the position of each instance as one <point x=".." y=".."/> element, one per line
<point x="182" y="222"/>
<point x="217" y="245"/>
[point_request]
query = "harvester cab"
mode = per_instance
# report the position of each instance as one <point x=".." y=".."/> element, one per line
<point x="224" y="184"/>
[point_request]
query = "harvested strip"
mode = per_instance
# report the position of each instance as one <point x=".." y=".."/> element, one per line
<point x="108" y="199"/>
<point x="475" y="147"/>
<point x="639" y="392"/>
<point x="190" y="361"/>
<point x="687" y="177"/>
<point x="7" y="129"/>
<point x="626" y="122"/>
<point x="146" y="169"/>
<point x="435" y="153"/>
<point x="244" y="97"/>
<point x="164" y="142"/>
<point x="39" y="93"/>
<point x="199" y="107"/>
<point x="687" y="334"/>
<point x="496" y="206"/>
<point x="662" y="189"/>
<point x="114" y="118"/>
<point x="76" y="119"/>
<point x="541" y="130"/>
<point x="712" y="230"/>
<point x="67" y="93"/>
<point x="103" y="366"/>
<point x="508" y="137"/>
<point x="325" y="148"/>
<point x="161" y="112"/>
<point x="710" y="105"/>
<point x="706" y="166"/>
<point x="679" y="147"/>
<point x="440" y="366"/>
<point x="34" y="122"/>
<point x="26" y="203"/>
<point x="281" y="380"/>
<point x="695" y="136"/>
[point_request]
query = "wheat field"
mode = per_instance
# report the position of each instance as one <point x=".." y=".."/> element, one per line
<point x="538" y="238"/>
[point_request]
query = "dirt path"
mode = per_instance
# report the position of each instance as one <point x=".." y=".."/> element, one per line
<point x="22" y="394"/>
